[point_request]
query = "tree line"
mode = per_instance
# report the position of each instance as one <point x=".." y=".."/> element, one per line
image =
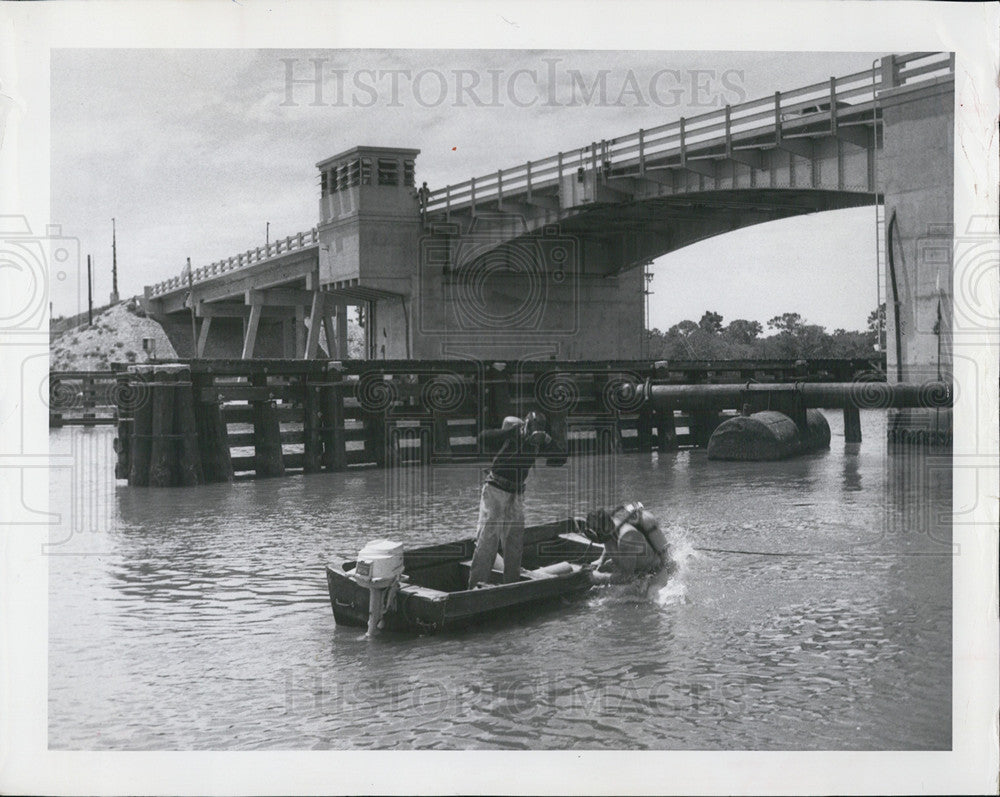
<point x="792" y="337"/>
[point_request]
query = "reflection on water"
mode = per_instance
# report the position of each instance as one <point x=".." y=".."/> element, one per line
<point x="198" y="618"/>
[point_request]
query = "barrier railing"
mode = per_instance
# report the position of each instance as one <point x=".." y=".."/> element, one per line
<point x="275" y="248"/>
<point x="854" y="94"/>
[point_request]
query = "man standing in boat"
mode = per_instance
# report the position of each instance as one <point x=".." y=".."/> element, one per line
<point x="501" y="509"/>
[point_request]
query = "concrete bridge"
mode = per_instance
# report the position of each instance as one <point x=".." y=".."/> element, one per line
<point x="543" y="260"/>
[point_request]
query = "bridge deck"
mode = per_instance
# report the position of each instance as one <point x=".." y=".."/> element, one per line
<point x="844" y="108"/>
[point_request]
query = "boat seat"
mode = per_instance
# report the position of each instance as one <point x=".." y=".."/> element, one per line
<point x="496" y="575"/>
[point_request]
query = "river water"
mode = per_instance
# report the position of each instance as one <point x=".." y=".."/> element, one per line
<point x="812" y="610"/>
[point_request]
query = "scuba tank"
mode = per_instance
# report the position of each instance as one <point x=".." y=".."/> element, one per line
<point x="635" y="550"/>
<point x="640" y="537"/>
<point x="650" y="526"/>
<point x="627" y="513"/>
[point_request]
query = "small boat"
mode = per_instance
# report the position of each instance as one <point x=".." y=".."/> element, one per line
<point x="433" y="593"/>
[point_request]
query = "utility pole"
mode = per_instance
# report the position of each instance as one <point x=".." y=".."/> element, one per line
<point x="114" y="264"/>
<point x="646" y="292"/>
<point x="90" y="295"/>
<point x="267" y="234"/>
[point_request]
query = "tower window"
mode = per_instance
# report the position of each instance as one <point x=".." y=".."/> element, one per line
<point x="388" y="171"/>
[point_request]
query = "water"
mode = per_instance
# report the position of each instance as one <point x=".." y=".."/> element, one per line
<point x="198" y="618"/>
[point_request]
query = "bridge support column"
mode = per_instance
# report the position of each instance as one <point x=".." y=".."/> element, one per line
<point x="287" y="339"/>
<point x="342" y="332"/>
<point x="916" y="178"/>
<point x="251" y="332"/>
<point x="315" y="317"/>
<point x="300" y="332"/>
<point x="206" y="324"/>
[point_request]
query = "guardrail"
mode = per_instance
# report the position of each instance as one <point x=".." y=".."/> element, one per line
<point x="280" y="246"/>
<point x="853" y="94"/>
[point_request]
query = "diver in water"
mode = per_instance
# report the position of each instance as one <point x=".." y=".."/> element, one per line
<point x="634" y="545"/>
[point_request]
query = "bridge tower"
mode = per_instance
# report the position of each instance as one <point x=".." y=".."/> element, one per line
<point x="369" y="230"/>
<point x="476" y="284"/>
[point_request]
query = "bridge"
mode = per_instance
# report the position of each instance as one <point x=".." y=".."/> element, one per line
<point x="543" y="260"/>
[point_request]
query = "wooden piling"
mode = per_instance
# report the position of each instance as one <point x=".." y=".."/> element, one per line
<point x="644" y="429"/>
<point x="441" y="435"/>
<point x="376" y="440"/>
<point x="189" y="470"/>
<point x="606" y="440"/>
<point x="559" y="431"/>
<point x="702" y="424"/>
<point x="312" y="446"/>
<point x="267" y="433"/>
<point x="392" y="459"/>
<point x="213" y="435"/>
<point x="666" y="430"/>
<point x="499" y="406"/>
<point x="426" y="435"/>
<point x="125" y="409"/>
<point x="852" y="424"/>
<point x="163" y="449"/>
<point x="331" y="429"/>
<point x="142" y="427"/>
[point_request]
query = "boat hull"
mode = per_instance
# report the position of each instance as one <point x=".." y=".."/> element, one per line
<point x="433" y="596"/>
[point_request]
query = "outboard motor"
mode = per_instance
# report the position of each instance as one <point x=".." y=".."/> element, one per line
<point x="379" y="566"/>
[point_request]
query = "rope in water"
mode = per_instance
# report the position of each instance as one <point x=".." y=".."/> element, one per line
<point x="753" y="553"/>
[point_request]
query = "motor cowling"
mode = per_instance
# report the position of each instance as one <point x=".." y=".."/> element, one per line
<point x="379" y="563"/>
<point x="378" y="568"/>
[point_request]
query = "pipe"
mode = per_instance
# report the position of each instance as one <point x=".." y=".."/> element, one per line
<point x="864" y="395"/>
<point x="895" y="296"/>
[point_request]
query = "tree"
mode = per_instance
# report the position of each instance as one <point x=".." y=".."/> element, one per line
<point x="742" y="331"/>
<point x="786" y="322"/>
<point x="812" y="340"/>
<point x="684" y="328"/>
<point x="711" y="323"/>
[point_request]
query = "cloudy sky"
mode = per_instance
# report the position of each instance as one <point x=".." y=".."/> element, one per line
<point x="194" y="151"/>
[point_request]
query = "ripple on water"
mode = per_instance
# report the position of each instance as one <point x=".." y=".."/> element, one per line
<point x="204" y="623"/>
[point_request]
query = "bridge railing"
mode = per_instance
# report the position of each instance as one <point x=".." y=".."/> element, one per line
<point x="274" y="248"/>
<point x="852" y="96"/>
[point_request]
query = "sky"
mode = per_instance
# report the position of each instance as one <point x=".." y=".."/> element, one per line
<point x="193" y="152"/>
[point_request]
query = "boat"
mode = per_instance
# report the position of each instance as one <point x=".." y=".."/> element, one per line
<point x="433" y="593"/>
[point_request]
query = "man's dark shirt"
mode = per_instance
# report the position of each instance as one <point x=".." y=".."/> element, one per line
<point x="514" y="458"/>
